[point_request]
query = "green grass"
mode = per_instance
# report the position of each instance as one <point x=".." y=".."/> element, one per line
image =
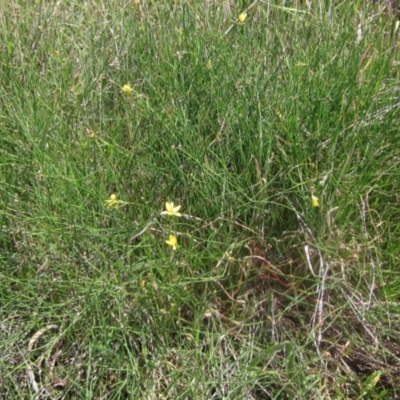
<point x="266" y="297"/>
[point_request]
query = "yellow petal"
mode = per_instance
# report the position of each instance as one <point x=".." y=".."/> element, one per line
<point x="127" y="89"/>
<point x="242" y="17"/>
<point x="176" y="209"/>
<point x="172" y="241"/>
<point x="170" y="209"/>
<point x="314" y="201"/>
<point x="112" y="200"/>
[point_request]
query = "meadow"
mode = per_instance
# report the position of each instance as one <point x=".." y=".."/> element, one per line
<point x="199" y="200"/>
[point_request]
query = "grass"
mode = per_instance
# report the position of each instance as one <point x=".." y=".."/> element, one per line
<point x="240" y="123"/>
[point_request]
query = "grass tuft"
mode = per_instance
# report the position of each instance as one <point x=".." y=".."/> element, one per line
<point x="274" y="125"/>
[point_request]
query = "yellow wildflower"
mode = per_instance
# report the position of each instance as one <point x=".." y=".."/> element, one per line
<point x="172" y="241"/>
<point x="142" y="283"/>
<point x="112" y="201"/>
<point x="170" y="209"/>
<point x="242" y="17"/>
<point x="127" y="89"/>
<point x="314" y="201"/>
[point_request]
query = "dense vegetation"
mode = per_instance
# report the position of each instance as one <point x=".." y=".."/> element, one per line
<point x="274" y="125"/>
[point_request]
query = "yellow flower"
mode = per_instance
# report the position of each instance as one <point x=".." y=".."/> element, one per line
<point x="172" y="241"/>
<point x="170" y="209"/>
<point x="314" y="201"/>
<point x="112" y="201"/>
<point x="242" y="17"/>
<point x="127" y="89"/>
<point x="142" y="284"/>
